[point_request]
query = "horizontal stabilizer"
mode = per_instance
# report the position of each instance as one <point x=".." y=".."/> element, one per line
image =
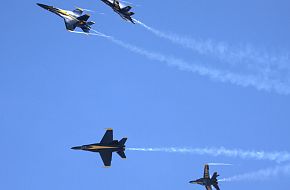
<point x="131" y="13"/>
<point x="90" y="23"/>
<point x="86" y="29"/>
<point x="123" y="141"/>
<point x="208" y="187"/>
<point x="122" y="154"/>
<point x="216" y="187"/>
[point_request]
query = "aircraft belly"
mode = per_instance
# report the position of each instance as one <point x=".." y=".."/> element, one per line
<point x="94" y="147"/>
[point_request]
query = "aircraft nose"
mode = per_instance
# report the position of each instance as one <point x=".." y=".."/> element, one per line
<point x="192" y="182"/>
<point x="76" y="148"/>
<point x="43" y="6"/>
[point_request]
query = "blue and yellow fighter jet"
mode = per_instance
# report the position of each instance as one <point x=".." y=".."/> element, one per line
<point x="207" y="181"/>
<point x="119" y="8"/>
<point x="72" y="19"/>
<point x="106" y="147"/>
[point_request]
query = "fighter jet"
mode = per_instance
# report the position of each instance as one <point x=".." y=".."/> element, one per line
<point x="72" y="19"/>
<point x="106" y="147"/>
<point x="207" y="181"/>
<point x="123" y="11"/>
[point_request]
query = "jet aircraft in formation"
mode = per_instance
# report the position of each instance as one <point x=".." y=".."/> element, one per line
<point x="72" y="19"/>
<point x="76" y="18"/>
<point x="106" y="147"/>
<point x="119" y="8"/>
<point x="207" y="181"/>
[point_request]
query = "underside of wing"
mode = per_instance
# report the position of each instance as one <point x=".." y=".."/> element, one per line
<point x="206" y="172"/>
<point x="108" y="137"/>
<point x="70" y="24"/>
<point x="106" y="157"/>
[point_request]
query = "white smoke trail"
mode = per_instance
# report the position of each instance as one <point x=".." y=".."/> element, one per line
<point x="95" y="33"/>
<point x="219" y="164"/>
<point x="243" y="55"/>
<point x="235" y="153"/>
<point x="260" y="175"/>
<point x="100" y="34"/>
<point x="259" y="83"/>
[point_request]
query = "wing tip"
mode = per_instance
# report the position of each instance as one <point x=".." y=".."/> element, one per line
<point x="109" y="129"/>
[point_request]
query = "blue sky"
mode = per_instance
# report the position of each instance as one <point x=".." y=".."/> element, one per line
<point x="60" y="90"/>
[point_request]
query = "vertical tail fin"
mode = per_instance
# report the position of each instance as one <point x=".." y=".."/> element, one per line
<point x="214" y="178"/>
<point x="215" y="175"/>
<point x="127" y="9"/>
<point x="215" y="181"/>
<point x="84" y="17"/>
<point x="123" y="141"/>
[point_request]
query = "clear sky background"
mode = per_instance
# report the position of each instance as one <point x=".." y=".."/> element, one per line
<point x="59" y="90"/>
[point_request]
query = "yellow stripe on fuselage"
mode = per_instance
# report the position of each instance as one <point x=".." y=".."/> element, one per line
<point x="100" y="147"/>
<point x="65" y="13"/>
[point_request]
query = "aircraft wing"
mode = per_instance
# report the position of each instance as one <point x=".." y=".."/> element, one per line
<point x="216" y="187"/>
<point x="206" y="172"/>
<point x="208" y="187"/>
<point x="70" y="24"/>
<point x="108" y="137"/>
<point x="106" y="157"/>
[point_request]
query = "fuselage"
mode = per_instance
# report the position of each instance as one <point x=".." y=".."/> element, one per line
<point x="68" y="16"/>
<point x="204" y="182"/>
<point x="118" y="8"/>
<point x="60" y="12"/>
<point x="97" y="147"/>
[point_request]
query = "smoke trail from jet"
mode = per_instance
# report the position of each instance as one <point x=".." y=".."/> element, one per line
<point x="260" y="174"/>
<point x="243" y="80"/>
<point x="235" y="153"/>
<point x="232" y="55"/>
<point x="219" y="164"/>
<point x="93" y="33"/>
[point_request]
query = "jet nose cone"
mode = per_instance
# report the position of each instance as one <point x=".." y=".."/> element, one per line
<point x="76" y="148"/>
<point x="43" y="6"/>
<point x="192" y="182"/>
